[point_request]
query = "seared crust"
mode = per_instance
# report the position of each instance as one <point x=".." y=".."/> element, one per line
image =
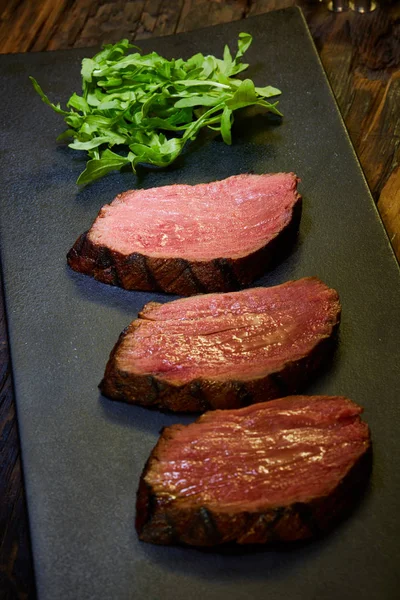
<point x="163" y="519"/>
<point x="200" y="395"/>
<point x="177" y="275"/>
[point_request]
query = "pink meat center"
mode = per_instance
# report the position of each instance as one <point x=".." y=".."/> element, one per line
<point x="248" y="333"/>
<point x="228" y="218"/>
<point x="264" y="456"/>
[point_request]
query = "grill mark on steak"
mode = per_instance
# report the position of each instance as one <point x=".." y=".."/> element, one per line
<point x="204" y="526"/>
<point x="104" y="259"/>
<point x="79" y="244"/>
<point x="106" y="268"/>
<point x="180" y="500"/>
<point x="154" y="386"/>
<point x="135" y="269"/>
<point x="197" y="392"/>
<point x="192" y="280"/>
<point x="151" y="278"/>
<point x="228" y="274"/>
<point x="143" y="266"/>
<point x="81" y="256"/>
<point x="163" y="273"/>
<point x="171" y="357"/>
<point x="271" y="525"/>
<point x="262" y="528"/>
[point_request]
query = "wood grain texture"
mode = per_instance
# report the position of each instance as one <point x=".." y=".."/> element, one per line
<point x="389" y="208"/>
<point x="361" y="55"/>
<point x="16" y="573"/>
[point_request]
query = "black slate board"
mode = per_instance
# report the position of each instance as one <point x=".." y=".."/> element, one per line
<point x="83" y="454"/>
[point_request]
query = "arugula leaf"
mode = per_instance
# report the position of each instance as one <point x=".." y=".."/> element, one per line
<point x="203" y="100"/>
<point x="95" y="142"/>
<point x="267" y="91"/>
<point x="245" y="95"/>
<point x="147" y="107"/>
<point x="56" y="107"/>
<point x="96" y="168"/>
<point x="88" y="66"/>
<point x="244" y="43"/>
<point x="226" y="124"/>
<point x="79" y="103"/>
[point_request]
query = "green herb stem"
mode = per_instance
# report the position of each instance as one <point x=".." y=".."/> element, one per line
<point x="131" y="103"/>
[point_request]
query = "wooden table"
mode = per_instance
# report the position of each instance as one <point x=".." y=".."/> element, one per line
<point x="361" y="55"/>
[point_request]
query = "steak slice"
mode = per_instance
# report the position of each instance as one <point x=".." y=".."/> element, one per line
<point x="224" y="350"/>
<point x="277" y="471"/>
<point x="185" y="239"/>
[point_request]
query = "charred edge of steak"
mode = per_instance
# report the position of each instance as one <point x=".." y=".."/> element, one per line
<point x="200" y="395"/>
<point x="178" y="275"/>
<point x="107" y="266"/>
<point x="75" y="256"/>
<point x="165" y="520"/>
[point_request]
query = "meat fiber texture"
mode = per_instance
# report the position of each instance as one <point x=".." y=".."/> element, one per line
<point x="278" y="471"/>
<point x="224" y="350"/>
<point x="184" y="239"/>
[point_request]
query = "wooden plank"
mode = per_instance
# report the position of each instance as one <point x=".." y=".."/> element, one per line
<point x="107" y="22"/>
<point x="204" y="13"/>
<point x="389" y="208"/>
<point x="31" y="23"/>
<point x="159" y="17"/>
<point x="16" y="572"/>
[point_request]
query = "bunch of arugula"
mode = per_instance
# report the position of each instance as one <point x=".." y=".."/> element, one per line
<point x="132" y="103"/>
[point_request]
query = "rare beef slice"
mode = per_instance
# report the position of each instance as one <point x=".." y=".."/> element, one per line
<point x="224" y="350"/>
<point x="185" y="239"/>
<point x="277" y="471"/>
